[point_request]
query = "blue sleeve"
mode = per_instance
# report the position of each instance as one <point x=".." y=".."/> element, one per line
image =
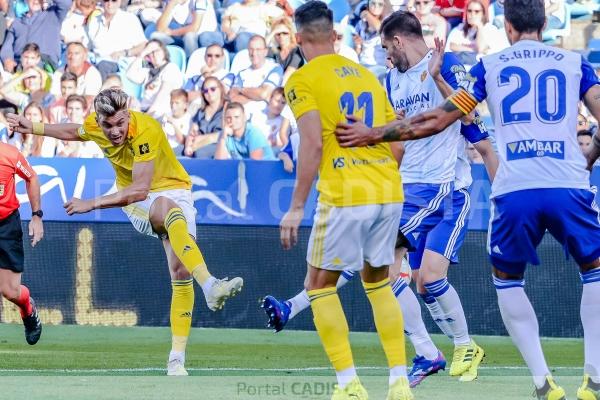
<point x="388" y="85"/>
<point x="6" y="50"/>
<point x="237" y="80"/>
<point x="190" y="84"/>
<point x="474" y="82"/>
<point x="228" y="80"/>
<point x="288" y="150"/>
<point x="588" y="77"/>
<point x="475" y="131"/>
<point x="452" y="70"/>
<point x="62" y="9"/>
<point x="275" y="77"/>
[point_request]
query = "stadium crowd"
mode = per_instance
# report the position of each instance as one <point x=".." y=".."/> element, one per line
<point x="211" y="72"/>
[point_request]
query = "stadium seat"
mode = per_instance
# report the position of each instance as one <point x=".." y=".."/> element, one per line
<point x="240" y="61"/>
<point x="580" y="11"/>
<point x="551" y="36"/>
<point x="593" y="52"/>
<point x="196" y="62"/>
<point x="131" y="88"/>
<point x="177" y="56"/>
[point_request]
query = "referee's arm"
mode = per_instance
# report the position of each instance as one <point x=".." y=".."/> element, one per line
<point x="32" y="183"/>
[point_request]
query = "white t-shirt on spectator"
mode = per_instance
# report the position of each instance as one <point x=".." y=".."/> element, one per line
<point x="88" y="84"/>
<point x="270" y="73"/>
<point x="372" y="53"/>
<point x="183" y="123"/>
<point x="252" y="18"/>
<point x="269" y="127"/>
<point x="90" y="149"/>
<point x="170" y="75"/>
<point x="498" y="39"/>
<point x="348" y="52"/>
<point x="49" y="147"/>
<point x="182" y="14"/>
<point x="124" y="32"/>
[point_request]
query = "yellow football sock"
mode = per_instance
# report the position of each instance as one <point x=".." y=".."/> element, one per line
<point x="182" y="304"/>
<point x="388" y="321"/>
<point x="184" y="245"/>
<point x="332" y="326"/>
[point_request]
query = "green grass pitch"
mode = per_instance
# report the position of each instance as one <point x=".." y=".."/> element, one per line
<point x="76" y="362"/>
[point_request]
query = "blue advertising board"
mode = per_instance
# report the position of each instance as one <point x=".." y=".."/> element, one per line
<point x="230" y="192"/>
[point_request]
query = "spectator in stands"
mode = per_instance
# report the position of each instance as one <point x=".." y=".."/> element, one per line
<point x="89" y="80"/>
<point x="584" y="138"/>
<point x="555" y="14"/>
<point x="289" y="153"/>
<point x="176" y="123"/>
<point x="32" y="80"/>
<point x="432" y="24"/>
<point x="73" y="26"/>
<point x="253" y="86"/>
<point x="149" y="11"/>
<point x="207" y="124"/>
<point x="367" y="41"/>
<point x="159" y="78"/>
<point x="272" y="124"/>
<point x="214" y="59"/>
<point x="113" y="35"/>
<point x="114" y="81"/>
<point x="58" y="109"/>
<point x="283" y="47"/>
<point x="186" y="23"/>
<point x="31" y="57"/>
<point x="241" y="21"/>
<point x="340" y="47"/>
<point x="30" y="144"/>
<point x="239" y="139"/>
<point x="452" y="10"/>
<point x="37" y="26"/>
<point x="76" y="113"/>
<point x="582" y="122"/>
<point x="476" y="36"/>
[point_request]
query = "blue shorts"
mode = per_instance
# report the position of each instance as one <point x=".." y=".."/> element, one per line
<point x="434" y="218"/>
<point x="520" y="219"/>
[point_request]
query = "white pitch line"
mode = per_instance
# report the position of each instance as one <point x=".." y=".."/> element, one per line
<point x="307" y="369"/>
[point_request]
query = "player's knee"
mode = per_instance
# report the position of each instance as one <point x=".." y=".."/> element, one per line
<point x="506" y="276"/>
<point x="159" y="210"/>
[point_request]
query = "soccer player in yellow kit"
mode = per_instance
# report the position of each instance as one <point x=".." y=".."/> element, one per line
<point x="360" y="199"/>
<point x="154" y="192"/>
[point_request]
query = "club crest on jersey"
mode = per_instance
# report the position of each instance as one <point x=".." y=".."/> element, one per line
<point x="423" y="76"/>
<point x="532" y="148"/>
<point x="144" y="148"/>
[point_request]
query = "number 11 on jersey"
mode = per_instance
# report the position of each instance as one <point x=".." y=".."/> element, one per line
<point x="362" y="103"/>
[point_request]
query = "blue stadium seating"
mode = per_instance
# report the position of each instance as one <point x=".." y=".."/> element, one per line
<point x="177" y="56"/>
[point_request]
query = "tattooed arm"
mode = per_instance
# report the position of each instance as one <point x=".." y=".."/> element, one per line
<point x="356" y="134"/>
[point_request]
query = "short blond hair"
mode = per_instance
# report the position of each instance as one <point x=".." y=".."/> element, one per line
<point x="110" y="101"/>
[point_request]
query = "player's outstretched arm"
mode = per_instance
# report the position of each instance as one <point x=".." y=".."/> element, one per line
<point x="141" y="177"/>
<point x="309" y="159"/>
<point x="18" y="123"/>
<point x="592" y="102"/>
<point x="357" y="134"/>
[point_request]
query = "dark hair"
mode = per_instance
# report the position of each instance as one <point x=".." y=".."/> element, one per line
<point x="162" y="46"/>
<point x="76" y="44"/>
<point x="77" y="97"/>
<point x="180" y="93"/>
<point x="525" y="16"/>
<point x="401" y="23"/>
<point x="32" y="47"/>
<point x="278" y="90"/>
<point x="219" y="85"/>
<point x="68" y="76"/>
<point x="585" y="132"/>
<point x="234" y="105"/>
<point x="314" y="17"/>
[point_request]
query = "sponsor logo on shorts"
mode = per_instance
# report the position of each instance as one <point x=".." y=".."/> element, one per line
<point x="532" y="148"/>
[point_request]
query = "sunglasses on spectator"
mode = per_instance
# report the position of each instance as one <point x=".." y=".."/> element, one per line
<point x="211" y="89"/>
<point x="107" y="1"/>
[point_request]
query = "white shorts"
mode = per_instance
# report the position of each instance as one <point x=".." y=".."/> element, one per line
<point x="343" y="238"/>
<point x="138" y="213"/>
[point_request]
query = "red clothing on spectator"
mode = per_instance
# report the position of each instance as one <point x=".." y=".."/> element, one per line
<point x="450" y="3"/>
<point x="11" y="162"/>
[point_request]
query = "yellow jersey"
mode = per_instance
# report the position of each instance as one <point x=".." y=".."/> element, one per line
<point x="145" y="141"/>
<point x="335" y="87"/>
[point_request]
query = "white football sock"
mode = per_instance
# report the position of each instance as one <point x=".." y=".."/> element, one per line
<point x="207" y="285"/>
<point x="590" y="319"/>
<point x="413" y="321"/>
<point x="396" y="372"/>
<point x="437" y="314"/>
<point x="345" y="277"/>
<point x="345" y="377"/>
<point x="298" y="303"/>
<point x="522" y="325"/>
<point x="449" y="302"/>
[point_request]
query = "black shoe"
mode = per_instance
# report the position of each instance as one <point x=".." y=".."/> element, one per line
<point x="33" y="325"/>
